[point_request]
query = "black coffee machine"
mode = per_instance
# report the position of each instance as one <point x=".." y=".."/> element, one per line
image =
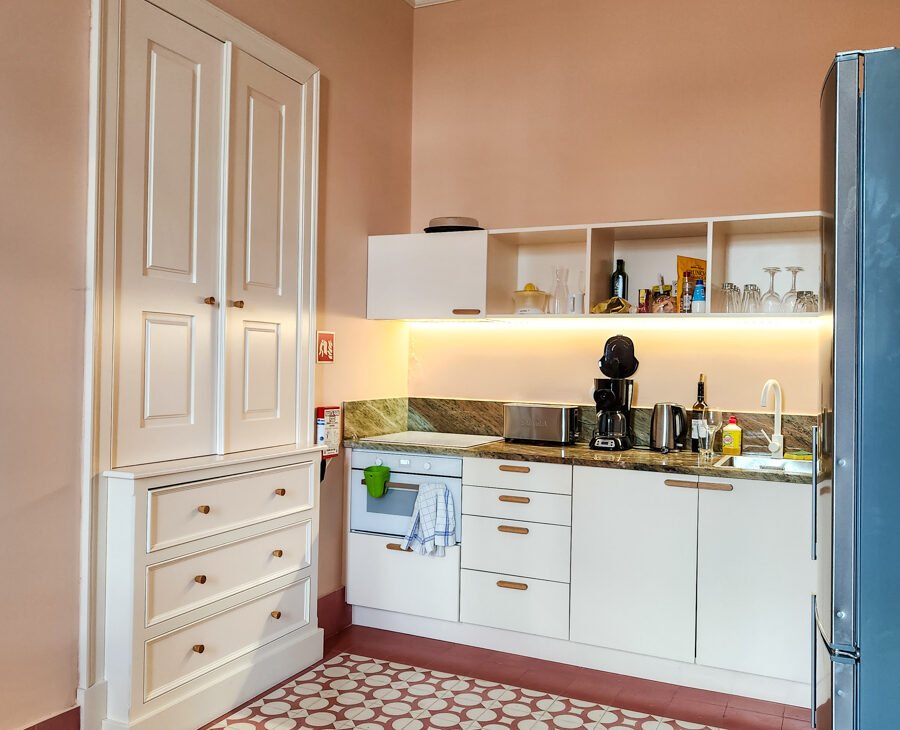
<point x="613" y="395"/>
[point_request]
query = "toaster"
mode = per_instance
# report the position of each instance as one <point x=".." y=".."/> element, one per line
<point x="540" y="422"/>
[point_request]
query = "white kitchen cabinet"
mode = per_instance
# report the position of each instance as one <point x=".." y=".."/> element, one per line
<point x="754" y="578"/>
<point x="263" y="248"/>
<point x="634" y="558"/>
<point x="170" y="235"/>
<point x="427" y="275"/>
<point x="382" y="575"/>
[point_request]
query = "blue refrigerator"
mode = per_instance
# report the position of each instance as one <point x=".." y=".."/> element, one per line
<point x="855" y="613"/>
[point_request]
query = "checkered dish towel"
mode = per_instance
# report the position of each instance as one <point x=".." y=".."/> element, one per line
<point x="433" y="523"/>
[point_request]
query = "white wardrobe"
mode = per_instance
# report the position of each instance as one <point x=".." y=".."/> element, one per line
<point x="203" y="456"/>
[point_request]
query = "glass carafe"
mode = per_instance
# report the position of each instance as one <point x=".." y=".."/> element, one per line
<point x="559" y="299"/>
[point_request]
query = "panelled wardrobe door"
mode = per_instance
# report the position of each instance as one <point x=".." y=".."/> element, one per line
<point x="263" y="254"/>
<point x="171" y="145"/>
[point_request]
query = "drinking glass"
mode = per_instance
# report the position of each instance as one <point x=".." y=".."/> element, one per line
<point x="732" y="298"/>
<point x="752" y="301"/>
<point x="706" y="435"/>
<point x="806" y="302"/>
<point x="771" y="301"/>
<point x="790" y="298"/>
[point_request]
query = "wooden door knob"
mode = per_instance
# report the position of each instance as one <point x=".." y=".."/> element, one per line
<point x="203" y="509"/>
<point x="199" y="648"/>
<point x="281" y="492"/>
<point x="211" y="301"/>
<point x="238" y="304"/>
<point x="276" y="614"/>
<point x="201" y="579"/>
<point x="278" y="553"/>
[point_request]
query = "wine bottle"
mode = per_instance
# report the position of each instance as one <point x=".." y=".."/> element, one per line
<point x="619" y="281"/>
<point x="698" y="414"/>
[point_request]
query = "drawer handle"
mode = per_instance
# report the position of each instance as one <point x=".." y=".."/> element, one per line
<point x="397" y="546"/>
<point x="514" y="499"/>
<point x="466" y="311"/>
<point x="513" y="530"/>
<point x="280" y="492"/>
<point x="716" y="487"/>
<point x="680" y="483"/>
<point x="275" y="614"/>
<point x="203" y="509"/>
<point x="278" y="553"/>
<point x="201" y="579"/>
<point x="199" y="648"/>
<point x="516" y="469"/>
<point x="211" y="301"/>
<point x="512" y="586"/>
<point x="238" y="304"/>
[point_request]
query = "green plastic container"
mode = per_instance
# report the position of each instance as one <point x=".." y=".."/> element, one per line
<point x="376" y="478"/>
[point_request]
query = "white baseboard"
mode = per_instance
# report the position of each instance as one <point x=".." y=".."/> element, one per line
<point x="592" y="657"/>
<point x="224" y="689"/>
<point x="93" y="705"/>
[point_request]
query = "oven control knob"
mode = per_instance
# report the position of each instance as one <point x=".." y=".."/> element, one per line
<point x="426" y="466"/>
<point x="378" y="462"/>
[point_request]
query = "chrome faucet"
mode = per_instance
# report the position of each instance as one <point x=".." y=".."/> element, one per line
<point x="776" y="443"/>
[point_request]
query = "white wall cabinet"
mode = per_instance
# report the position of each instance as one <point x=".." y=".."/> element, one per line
<point x="427" y="275"/>
<point x="210" y="290"/>
<point x="634" y="559"/>
<point x="754" y="578"/>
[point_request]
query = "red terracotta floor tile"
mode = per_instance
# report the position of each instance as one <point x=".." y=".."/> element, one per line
<point x="753" y="705"/>
<point x="694" y="711"/>
<point x="796" y="724"/>
<point x="702" y="695"/>
<point x="737" y="719"/>
<point x="796" y="713"/>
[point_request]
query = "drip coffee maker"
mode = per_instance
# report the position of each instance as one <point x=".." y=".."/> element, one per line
<point x="613" y="395"/>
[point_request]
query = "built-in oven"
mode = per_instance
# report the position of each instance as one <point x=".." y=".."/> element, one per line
<point x="391" y="513"/>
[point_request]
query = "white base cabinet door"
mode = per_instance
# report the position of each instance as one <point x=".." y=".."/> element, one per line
<point x="754" y="578"/>
<point x="634" y="558"/>
<point x="381" y="575"/>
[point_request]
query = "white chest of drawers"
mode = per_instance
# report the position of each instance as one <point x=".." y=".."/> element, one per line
<point x="211" y="584"/>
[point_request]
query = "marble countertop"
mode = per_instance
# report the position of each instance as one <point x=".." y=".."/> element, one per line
<point x="638" y="459"/>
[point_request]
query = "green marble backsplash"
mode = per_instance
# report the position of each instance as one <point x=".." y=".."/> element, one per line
<point x="450" y="415"/>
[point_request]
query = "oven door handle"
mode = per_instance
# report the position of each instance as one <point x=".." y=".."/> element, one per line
<point x="397" y="485"/>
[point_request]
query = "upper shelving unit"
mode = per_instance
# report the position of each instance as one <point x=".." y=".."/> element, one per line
<point x="474" y="274"/>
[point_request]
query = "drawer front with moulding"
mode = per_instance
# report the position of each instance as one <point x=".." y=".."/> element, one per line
<point x="521" y="475"/>
<point x="195" y="580"/>
<point x="518" y="548"/>
<point x="190" y="511"/>
<point x="513" y="504"/>
<point x="513" y="603"/>
<point x="381" y="575"/>
<point x="186" y="653"/>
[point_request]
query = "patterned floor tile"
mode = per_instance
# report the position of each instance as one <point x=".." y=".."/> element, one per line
<point x="350" y="691"/>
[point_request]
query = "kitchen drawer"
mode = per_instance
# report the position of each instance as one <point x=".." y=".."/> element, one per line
<point x="513" y="504"/>
<point x="186" y="653"/>
<point x="518" y="548"/>
<point x="517" y="604"/>
<point x="522" y="475"/>
<point x="379" y="575"/>
<point x="191" y="511"/>
<point x="182" y="584"/>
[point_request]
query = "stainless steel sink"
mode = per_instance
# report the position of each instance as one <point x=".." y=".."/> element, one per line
<point x="762" y="462"/>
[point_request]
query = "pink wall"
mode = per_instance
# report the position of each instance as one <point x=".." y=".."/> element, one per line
<point x="364" y="51"/>
<point x="542" y="112"/>
<point x="43" y="148"/>
<point x="551" y="112"/>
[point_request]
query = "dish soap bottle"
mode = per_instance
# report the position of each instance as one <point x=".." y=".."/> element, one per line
<point x="698" y="298"/>
<point x="731" y="438"/>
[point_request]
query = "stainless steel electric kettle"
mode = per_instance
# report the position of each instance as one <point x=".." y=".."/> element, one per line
<point x="668" y="427"/>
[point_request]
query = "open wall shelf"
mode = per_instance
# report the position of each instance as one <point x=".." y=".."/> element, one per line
<point x="474" y="274"/>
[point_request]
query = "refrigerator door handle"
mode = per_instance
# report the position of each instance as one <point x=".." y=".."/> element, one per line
<point x="815" y="492"/>
<point x="814" y="647"/>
